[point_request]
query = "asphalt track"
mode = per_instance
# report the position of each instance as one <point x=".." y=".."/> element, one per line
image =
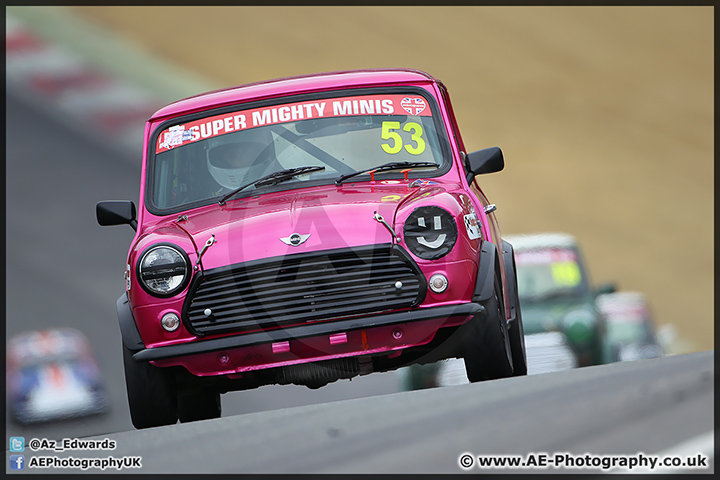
<point x="65" y="270"/>
<point x="654" y="408"/>
<point x="62" y="269"/>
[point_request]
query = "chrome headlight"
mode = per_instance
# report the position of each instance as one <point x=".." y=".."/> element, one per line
<point x="430" y="232"/>
<point x="163" y="270"/>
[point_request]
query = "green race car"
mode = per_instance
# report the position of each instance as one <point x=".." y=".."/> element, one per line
<point x="556" y="294"/>
<point x="560" y="312"/>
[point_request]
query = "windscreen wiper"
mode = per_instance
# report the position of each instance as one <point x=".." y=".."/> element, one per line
<point x="386" y="166"/>
<point x="273" y="179"/>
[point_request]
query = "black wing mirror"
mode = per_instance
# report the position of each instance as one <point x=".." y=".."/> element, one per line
<point x="487" y="160"/>
<point x="606" y="288"/>
<point x="116" y="212"/>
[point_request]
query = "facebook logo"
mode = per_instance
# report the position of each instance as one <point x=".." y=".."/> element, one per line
<point x="17" y="462"/>
<point x="17" y="444"/>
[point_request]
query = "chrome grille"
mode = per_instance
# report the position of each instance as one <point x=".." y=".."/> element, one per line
<point x="302" y="288"/>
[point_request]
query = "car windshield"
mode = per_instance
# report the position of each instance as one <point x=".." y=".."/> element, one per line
<point x="627" y="323"/>
<point x="201" y="160"/>
<point x="628" y="332"/>
<point x="545" y="274"/>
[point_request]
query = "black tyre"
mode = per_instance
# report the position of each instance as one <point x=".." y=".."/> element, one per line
<point x="196" y="405"/>
<point x="517" y="334"/>
<point x="151" y="391"/>
<point x="517" y="345"/>
<point x="486" y="345"/>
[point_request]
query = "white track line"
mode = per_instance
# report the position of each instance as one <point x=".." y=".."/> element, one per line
<point x="69" y="87"/>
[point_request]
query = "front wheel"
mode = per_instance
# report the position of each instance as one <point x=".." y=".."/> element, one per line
<point x="486" y="345"/>
<point x="517" y="344"/>
<point x="151" y="391"/>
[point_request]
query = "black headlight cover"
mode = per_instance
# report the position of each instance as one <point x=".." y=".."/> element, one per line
<point x="430" y="232"/>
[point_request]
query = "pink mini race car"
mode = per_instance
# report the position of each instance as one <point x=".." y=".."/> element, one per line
<point x="305" y="230"/>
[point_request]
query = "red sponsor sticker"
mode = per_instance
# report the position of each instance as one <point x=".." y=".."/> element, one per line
<point x="178" y="135"/>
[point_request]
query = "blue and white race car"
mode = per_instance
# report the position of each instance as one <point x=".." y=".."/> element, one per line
<point x="51" y="375"/>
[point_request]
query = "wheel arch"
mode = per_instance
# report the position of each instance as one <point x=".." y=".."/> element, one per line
<point x="510" y="274"/>
<point x="128" y="329"/>
<point x="488" y="265"/>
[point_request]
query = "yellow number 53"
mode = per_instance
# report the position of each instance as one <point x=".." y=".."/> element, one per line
<point x="397" y="144"/>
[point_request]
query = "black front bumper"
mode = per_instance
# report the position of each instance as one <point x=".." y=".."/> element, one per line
<point x="307" y="330"/>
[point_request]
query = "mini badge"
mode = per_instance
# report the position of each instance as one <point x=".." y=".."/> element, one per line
<point x="295" y="239"/>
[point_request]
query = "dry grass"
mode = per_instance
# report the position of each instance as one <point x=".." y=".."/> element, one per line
<point x="605" y="114"/>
